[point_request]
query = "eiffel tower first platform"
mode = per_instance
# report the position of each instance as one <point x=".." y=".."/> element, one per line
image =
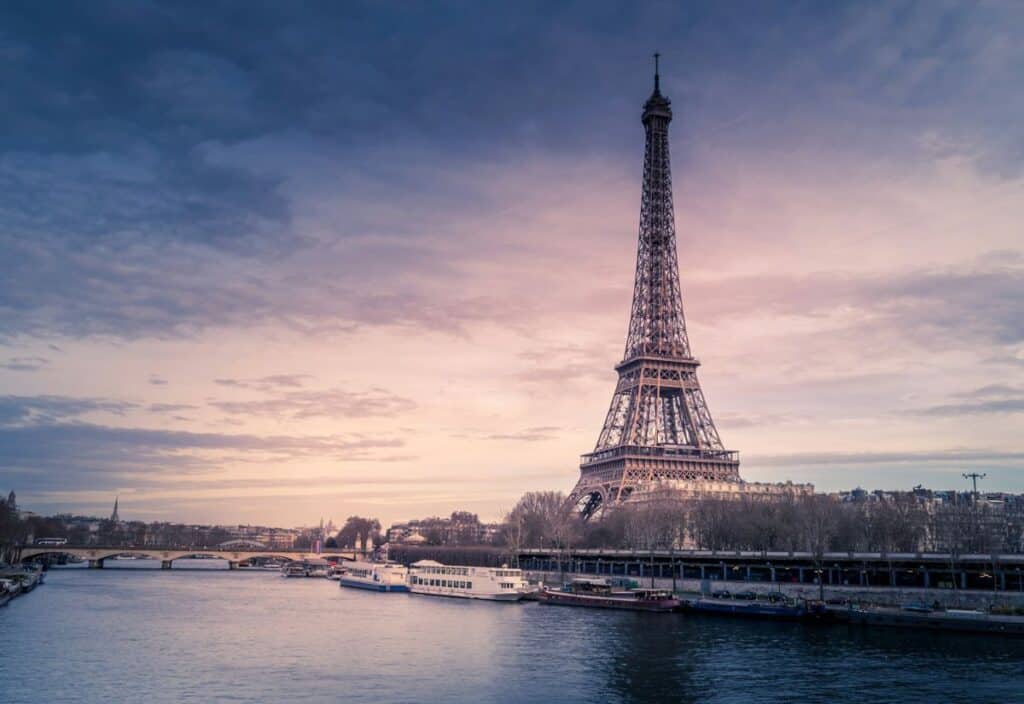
<point x="658" y="427"/>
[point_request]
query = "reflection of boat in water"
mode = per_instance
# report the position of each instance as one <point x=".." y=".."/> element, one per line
<point x="597" y="593"/>
<point x="490" y="583"/>
<point x="779" y="609"/>
<point x="375" y="576"/>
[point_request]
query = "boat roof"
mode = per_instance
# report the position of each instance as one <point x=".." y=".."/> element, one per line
<point x="428" y="563"/>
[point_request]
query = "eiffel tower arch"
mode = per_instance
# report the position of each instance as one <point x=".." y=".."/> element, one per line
<point x="658" y="428"/>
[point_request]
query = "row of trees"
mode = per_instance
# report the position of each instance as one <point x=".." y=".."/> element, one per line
<point x="357" y="532"/>
<point x="819" y="523"/>
<point x="899" y="522"/>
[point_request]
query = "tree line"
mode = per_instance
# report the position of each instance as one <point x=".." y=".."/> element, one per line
<point x="897" y="522"/>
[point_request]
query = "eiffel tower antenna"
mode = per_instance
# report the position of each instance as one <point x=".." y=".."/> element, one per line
<point x="658" y="427"/>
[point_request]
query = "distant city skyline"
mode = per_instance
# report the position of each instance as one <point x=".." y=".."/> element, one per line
<point x="362" y="261"/>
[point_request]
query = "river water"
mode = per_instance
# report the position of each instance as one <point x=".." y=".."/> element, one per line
<point x="209" y="635"/>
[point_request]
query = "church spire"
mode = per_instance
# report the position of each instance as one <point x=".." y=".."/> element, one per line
<point x="114" y="517"/>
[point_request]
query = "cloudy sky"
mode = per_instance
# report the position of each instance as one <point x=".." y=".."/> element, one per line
<point x="267" y="263"/>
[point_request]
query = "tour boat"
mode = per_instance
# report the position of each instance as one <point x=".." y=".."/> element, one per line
<point x="490" y="583"/>
<point x="295" y="569"/>
<point x="597" y="593"/>
<point x="375" y="576"/>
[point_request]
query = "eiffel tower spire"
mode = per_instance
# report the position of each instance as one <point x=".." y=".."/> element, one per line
<point x="658" y="426"/>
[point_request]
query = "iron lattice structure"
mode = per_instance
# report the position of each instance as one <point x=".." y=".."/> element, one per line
<point x="658" y="426"/>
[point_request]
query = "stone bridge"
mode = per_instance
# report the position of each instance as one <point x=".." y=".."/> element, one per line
<point x="97" y="555"/>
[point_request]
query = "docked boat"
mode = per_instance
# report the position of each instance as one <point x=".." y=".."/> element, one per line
<point x="465" y="582"/>
<point x="597" y="593"/>
<point x="295" y="569"/>
<point x="962" y="620"/>
<point x="10" y="587"/>
<point x="375" y="576"/>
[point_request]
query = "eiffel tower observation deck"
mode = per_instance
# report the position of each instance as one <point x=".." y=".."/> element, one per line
<point x="658" y="428"/>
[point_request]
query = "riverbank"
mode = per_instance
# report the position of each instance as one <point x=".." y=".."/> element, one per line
<point x="931" y="609"/>
<point x="880" y="596"/>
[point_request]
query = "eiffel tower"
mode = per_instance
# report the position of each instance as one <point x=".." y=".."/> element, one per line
<point x="658" y="427"/>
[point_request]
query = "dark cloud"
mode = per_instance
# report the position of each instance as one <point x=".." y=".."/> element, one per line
<point x="947" y="307"/>
<point x="1005" y="405"/>
<point x="267" y="383"/>
<point x="32" y="410"/>
<point x="24" y="364"/>
<point x="73" y="456"/>
<point x="985" y="400"/>
<point x="170" y="408"/>
<point x="153" y="173"/>
<point x="328" y="403"/>
<point x="992" y="391"/>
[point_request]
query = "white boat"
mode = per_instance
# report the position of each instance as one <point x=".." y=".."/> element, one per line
<point x="295" y="569"/>
<point x="491" y="583"/>
<point x="375" y="576"/>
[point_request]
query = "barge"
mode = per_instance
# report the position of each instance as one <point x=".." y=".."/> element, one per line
<point x="598" y="594"/>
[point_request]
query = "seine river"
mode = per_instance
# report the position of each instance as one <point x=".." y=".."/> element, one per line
<point x="134" y="635"/>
